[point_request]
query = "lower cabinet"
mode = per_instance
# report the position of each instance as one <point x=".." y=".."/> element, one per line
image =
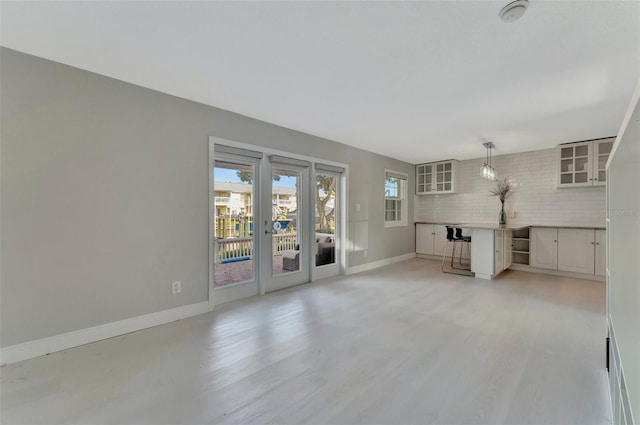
<point x="576" y="250"/>
<point x="569" y="250"/>
<point x="431" y="239"/>
<point x="502" y="245"/>
<point x="544" y="247"/>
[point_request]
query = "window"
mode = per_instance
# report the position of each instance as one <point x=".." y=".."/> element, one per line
<point x="395" y="199"/>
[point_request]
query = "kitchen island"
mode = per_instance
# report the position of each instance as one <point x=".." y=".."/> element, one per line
<point x="491" y="248"/>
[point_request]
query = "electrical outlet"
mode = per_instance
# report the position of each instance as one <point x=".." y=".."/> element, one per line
<point x="365" y="253"/>
<point x="513" y="214"/>
<point x="176" y="287"/>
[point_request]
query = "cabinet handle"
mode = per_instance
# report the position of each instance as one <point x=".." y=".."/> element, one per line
<point x="597" y="243"/>
<point x="556" y="241"/>
<point x="591" y="243"/>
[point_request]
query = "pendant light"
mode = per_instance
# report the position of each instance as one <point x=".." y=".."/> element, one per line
<point x="487" y="171"/>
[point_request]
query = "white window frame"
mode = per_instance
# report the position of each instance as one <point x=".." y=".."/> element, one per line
<point x="402" y="196"/>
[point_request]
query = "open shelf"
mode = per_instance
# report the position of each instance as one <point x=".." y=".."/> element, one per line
<point x="520" y="246"/>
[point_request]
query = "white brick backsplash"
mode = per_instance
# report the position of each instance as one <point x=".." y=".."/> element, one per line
<point x="536" y="199"/>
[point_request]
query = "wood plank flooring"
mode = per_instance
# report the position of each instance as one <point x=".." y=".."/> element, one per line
<point x="404" y="344"/>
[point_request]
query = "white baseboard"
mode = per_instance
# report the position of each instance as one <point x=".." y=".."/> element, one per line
<point x="40" y="347"/>
<point x="523" y="268"/>
<point x="375" y="264"/>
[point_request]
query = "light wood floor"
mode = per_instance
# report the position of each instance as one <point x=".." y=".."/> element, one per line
<point x="404" y="344"/>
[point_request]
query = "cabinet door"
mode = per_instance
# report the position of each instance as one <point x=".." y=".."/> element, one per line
<point x="601" y="151"/>
<point x="499" y="251"/>
<point x="576" y="250"/>
<point x="544" y="247"/>
<point x="424" y="239"/>
<point x="601" y="252"/>
<point x="440" y="240"/>
<point x="508" y="247"/>
<point x="575" y="163"/>
<point x="424" y="175"/>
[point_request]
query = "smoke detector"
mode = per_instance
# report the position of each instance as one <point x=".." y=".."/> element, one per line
<point x="513" y="11"/>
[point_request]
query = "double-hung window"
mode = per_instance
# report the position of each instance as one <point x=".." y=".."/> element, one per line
<point x="395" y="199"/>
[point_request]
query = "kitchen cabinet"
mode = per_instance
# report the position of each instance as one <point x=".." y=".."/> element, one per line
<point x="508" y="248"/>
<point x="431" y="239"/>
<point x="583" y="163"/>
<point x="498" y="258"/>
<point x="576" y="250"/>
<point x="491" y="251"/>
<point x="436" y="177"/>
<point x="544" y="247"/>
<point x="502" y="246"/>
<point x="569" y="249"/>
<point x="601" y="252"/>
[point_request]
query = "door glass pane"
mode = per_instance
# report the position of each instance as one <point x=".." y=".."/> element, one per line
<point x="427" y="168"/>
<point x="566" y="166"/>
<point x="602" y="162"/>
<point x="566" y="178"/>
<point x="447" y="176"/>
<point x="439" y="167"/>
<point x="439" y="177"/>
<point x="582" y="164"/>
<point x="285" y="242"/>
<point x="605" y="148"/>
<point x="325" y="219"/>
<point x="582" y="150"/>
<point x="234" y="203"/>
<point x="447" y="166"/>
<point x="581" y="177"/>
<point x="566" y="152"/>
<point x="447" y="186"/>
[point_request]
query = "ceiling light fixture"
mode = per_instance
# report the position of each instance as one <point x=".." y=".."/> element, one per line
<point x="513" y="11"/>
<point x="487" y="171"/>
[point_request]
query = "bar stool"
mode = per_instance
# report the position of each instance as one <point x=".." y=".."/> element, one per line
<point x="466" y="241"/>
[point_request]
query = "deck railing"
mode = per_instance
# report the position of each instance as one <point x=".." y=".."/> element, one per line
<point x="235" y="249"/>
<point x="283" y="242"/>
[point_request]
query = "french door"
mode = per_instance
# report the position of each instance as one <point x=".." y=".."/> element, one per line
<point x="274" y="221"/>
<point x="285" y="245"/>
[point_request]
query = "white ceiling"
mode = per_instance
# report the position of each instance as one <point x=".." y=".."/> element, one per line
<point x="417" y="81"/>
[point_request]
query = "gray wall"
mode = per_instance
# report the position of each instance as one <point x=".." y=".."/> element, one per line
<point x="105" y="196"/>
<point x="624" y="252"/>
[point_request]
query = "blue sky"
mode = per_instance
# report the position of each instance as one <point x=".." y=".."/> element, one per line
<point x="230" y="176"/>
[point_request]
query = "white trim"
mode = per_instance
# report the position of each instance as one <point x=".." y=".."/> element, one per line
<point x="585" y="276"/>
<point x="40" y="347"/>
<point x="381" y="263"/>
<point x="404" y="206"/>
<point x="635" y="98"/>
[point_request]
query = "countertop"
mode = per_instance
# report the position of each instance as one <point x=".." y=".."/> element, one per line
<point x="512" y="226"/>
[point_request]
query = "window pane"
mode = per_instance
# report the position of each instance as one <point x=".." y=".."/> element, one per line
<point x="391" y="187"/>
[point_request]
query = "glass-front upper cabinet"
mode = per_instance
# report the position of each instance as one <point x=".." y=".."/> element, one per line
<point x="601" y="152"/>
<point x="436" y="177"/>
<point x="583" y="163"/>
